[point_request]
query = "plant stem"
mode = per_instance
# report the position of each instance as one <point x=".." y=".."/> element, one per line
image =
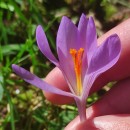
<point x="81" y="104"/>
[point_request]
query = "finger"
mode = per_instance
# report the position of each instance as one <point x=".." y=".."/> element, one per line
<point x="108" y="122"/>
<point x="56" y="78"/>
<point x="115" y="73"/>
<point x="116" y="101"/>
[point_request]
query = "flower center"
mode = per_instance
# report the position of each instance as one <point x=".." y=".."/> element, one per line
<point x="77" y="56"/>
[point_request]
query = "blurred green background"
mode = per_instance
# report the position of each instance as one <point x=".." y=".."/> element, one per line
<point x="22" y="106"/>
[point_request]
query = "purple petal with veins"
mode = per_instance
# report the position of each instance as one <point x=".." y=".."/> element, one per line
<point x="44" y="46"/>
<point x="36" y="81"/>
<point x="91" y="38"/>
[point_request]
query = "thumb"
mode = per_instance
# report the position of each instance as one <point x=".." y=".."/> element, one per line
<point x="108" y="122"/>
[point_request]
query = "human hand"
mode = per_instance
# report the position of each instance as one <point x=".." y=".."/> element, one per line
<point x="116" y="101"/>
<point x="110" y="112"/>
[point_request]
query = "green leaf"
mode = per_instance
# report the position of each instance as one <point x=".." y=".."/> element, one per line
<point x="18" y="11"/>
<point x="11" y="48"/>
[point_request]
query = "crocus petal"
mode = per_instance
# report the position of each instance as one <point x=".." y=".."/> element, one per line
<point x="67" y="38"/>
<point x="103" y="59"/>
<point x="67" y="69"/>
<point x="44" y="46"/>
<point x="91" y="38"/>
<point x="34" y="80"/>
<point x="106" y="55"/>
<point x="82" y="27"/>
<point x="88" y="82"/>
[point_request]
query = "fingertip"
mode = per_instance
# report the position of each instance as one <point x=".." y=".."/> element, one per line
<point x="57" y="99"/>
<point x="56" y="79"/>
<point x="113" y="122"/>
<point x="107" y="122"/>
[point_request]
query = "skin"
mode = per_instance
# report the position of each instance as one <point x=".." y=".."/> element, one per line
<point x="112" y="111"/>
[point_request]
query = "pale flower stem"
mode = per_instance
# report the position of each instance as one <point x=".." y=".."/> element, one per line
<point x="81" y="104"/>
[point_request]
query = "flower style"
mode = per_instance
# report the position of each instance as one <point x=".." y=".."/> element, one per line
<point x="80" y="59"/>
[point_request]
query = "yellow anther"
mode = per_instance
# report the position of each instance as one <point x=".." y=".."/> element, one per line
<point x="77" y="59"/>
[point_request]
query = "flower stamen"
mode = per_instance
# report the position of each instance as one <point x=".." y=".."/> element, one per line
<point x="77" y="56"/>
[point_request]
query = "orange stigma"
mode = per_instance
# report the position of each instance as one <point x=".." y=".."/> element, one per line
<point x="77" y="59"/>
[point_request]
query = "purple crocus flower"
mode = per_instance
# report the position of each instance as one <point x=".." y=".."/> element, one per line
<point x="80" y="59"/>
